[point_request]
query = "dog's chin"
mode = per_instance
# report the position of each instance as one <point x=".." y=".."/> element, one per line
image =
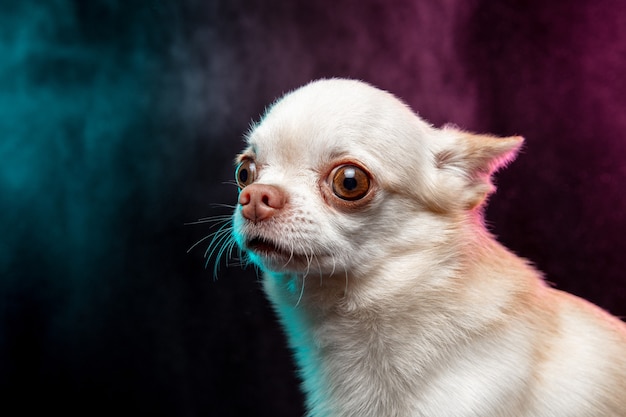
<point x="272" y="256"/>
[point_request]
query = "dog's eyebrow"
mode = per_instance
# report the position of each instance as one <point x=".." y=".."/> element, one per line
<point x="247" y="153"/>
<point x="336" y="153"/>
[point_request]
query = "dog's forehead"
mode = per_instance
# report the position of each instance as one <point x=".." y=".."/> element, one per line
<point x="322" y="120"/>
<point x="300" y="140"/>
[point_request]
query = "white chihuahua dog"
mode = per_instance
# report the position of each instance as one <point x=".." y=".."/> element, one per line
<point x="367" y="224"/>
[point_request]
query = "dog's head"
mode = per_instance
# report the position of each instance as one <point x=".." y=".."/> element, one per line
<point x="339" y="175"/>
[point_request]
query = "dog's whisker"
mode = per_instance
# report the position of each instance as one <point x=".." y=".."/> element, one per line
<point x="332" y="272"/>
<point x="225" y="247"/>
<point x="213" y="219"/>
<point x="301" y="291"/>
<point x="221" y="237"/>
<point x="308" y="260"/>
<point x="290" y="256"/>
<point x="319" y="267"/>
<point x="231" y="245"/>
<point x="209" y="256"/>
<point x="222" y="205"/>
<point x="199" y="242"/>
<point x="215" y="238"/>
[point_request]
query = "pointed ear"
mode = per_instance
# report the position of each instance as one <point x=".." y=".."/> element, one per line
<point x="488" y="153"/>
<point x="477" y="157"/>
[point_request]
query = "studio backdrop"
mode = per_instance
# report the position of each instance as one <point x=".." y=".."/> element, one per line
<point x="119" y="123"/>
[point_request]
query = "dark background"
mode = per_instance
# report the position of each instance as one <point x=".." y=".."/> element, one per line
<point x="119" y="121"/>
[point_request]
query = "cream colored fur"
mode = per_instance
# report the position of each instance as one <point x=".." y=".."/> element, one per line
<point x="402" y="303"/>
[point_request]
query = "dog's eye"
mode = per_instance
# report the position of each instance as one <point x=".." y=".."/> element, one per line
<point x="245" y="174"/>
<point x="350" y="182"/>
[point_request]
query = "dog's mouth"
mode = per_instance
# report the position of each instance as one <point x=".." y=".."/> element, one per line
<point x="278" y="256"/>
<point x="259" y="244"/>
<point x="266" y="247"/>
<point x="273" y="251"/>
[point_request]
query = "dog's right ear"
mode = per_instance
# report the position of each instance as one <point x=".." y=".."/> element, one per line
<point x="475" y="158"/>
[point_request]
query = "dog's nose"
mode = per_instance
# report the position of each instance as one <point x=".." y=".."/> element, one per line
<point x="261" y="201"/>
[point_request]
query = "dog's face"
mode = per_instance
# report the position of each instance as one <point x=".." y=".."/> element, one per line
<point x="339" y="176"/>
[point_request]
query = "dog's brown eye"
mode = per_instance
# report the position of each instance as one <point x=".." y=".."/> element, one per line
<point x="245" y="174"/>
<point x="350" y="182"/>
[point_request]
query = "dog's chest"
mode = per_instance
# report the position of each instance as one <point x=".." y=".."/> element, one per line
<point x="385" y="367"/>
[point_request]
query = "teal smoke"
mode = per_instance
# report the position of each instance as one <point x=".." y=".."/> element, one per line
<point x="68" y="110"/>
<point x="84" y="139"/>
<point x="118" y="125"/>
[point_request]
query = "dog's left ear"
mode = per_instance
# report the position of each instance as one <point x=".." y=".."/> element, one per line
<point x="476" y="157"/>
